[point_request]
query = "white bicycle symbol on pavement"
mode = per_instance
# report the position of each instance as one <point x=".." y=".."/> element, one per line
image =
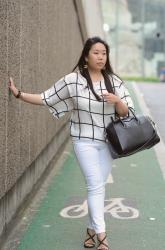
<point x="113" y="206"/>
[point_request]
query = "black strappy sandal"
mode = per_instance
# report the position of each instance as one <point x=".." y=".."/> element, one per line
<point x="91" y="237"/>
<point x="101" y="242"/>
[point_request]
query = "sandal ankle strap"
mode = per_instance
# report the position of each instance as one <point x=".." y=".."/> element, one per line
<point x="90" y="236"/>
<point x="101" y="242"/>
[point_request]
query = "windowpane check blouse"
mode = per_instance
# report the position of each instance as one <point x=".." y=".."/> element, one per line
<point x="89" y="117"/>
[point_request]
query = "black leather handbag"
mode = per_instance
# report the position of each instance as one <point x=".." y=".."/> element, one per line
<point x="127" y="136"/>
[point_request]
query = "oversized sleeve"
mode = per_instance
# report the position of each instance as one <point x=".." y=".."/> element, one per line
<point x="123" y="93"/>
<point x="57" y="98"/>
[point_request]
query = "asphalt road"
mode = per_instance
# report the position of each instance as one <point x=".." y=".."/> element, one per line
<point x="154" y="97"/>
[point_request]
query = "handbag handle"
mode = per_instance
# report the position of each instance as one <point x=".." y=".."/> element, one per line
<point x="133" y="113"/>
<point x="120" y="119"/>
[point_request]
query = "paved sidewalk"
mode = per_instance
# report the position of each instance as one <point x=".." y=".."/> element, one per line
<point x="134" y="206"/>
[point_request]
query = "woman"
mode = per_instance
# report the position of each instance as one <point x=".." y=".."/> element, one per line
<point x="93" y="94"/>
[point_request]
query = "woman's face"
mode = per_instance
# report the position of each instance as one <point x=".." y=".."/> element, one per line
<point x="97" y="57"/>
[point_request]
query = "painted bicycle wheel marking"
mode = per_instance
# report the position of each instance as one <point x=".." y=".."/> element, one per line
<point x="115" y="207"/>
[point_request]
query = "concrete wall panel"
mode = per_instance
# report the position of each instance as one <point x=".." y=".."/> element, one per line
<point x="40" y="41"/>
<point x="3" y="93"/>
<point x="13" y="106"/>
<point x="94" y="22"/>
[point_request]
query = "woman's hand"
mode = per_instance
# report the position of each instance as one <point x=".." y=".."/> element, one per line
<point x="12" y="87"/>
<point x="111" y="98"/>
<point x="120" y="107"/>
<point x="30" y="98"/>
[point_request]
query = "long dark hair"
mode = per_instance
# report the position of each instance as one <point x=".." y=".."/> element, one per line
<point x="84" y="71"/>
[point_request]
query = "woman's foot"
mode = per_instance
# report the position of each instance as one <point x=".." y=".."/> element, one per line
<point x="90" y="242"/>
<point x="102" y="242"/>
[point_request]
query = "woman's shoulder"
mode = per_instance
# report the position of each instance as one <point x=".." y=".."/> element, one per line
<point x="73" y="77"/>
<point x="116" y="80"/>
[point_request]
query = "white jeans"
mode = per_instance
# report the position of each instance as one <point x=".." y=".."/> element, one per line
<point x="95" y="162"/>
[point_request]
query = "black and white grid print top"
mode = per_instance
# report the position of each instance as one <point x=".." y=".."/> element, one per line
<point x="89" y="117"/>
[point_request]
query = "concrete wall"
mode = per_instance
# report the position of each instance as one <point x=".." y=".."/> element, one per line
<point x="93" y="18"/>
<point x="40" y="41"/>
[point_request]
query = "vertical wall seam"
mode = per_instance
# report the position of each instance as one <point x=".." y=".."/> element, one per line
<point x="20" y="79"/>
<point x="78" y="20"/>
<point x="6" y="113"/>
<point x="6" y="99"/>
<point x="39" y="39"/>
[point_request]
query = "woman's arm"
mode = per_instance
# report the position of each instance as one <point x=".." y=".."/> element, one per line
<point x="120" y="106"/>
<point x="30" y="98"/>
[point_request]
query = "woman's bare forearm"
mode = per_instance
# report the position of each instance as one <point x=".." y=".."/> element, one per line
<point x="121" y="108"/>
<point x="31" y="98"/>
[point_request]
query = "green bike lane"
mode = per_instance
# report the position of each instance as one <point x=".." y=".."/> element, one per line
<point x="134" y="206"/>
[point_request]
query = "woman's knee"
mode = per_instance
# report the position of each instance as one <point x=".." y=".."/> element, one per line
<point x="96" y="186"/>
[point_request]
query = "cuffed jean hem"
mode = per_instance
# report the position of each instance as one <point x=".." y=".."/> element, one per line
<point x="96" y="229"/>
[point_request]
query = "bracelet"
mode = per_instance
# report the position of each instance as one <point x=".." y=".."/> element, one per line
<point x="19" y="94"/>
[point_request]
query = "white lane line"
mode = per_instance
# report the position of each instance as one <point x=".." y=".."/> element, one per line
<point x="110" y="179"/>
